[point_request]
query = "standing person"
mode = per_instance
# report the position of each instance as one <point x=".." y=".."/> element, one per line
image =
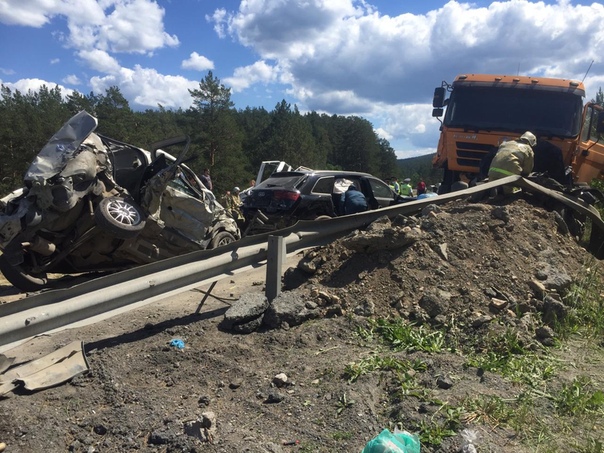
<point x="406" y="189"/>
<point x="395" y="185"/>
<point x="421" y="187"/>
<point x="232" y="204"/>
<point x="514" y="157"/>
<point x="206" y="179"/>
<point x="353" y="201"/>
<point x="244" y="193"/>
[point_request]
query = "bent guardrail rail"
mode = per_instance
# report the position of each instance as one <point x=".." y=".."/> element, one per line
<point x="58" y="308"/>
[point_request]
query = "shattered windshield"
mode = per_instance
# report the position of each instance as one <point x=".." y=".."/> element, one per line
<point x="545" y="113"/>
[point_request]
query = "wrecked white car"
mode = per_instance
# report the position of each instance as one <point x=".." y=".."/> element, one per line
<point x="91" y="203"/>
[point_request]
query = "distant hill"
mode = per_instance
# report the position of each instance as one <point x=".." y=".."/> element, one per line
<point x="419" y="167"/>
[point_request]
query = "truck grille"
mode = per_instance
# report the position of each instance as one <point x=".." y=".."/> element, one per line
<point x="470" y="154"/>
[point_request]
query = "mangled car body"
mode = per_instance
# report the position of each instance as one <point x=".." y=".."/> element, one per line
<point x="91" y="203"/>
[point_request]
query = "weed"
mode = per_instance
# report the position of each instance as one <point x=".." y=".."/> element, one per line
<point x="590" y="446"/>
<point x="355" y="370"/>
<point x="577" y="398"/>
<point x="343" y="403"/>
<point x="586" y="304"/>
<point x="402" y="335"/>
<point x="508" y="356"/>
<point x="490" y="410"/>
<point x="342" y="435"/>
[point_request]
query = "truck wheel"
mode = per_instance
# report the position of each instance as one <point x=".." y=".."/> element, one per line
<point x="120" y="217"/>
<point x="20" y="278"/>
<point x="448" y="179"/>
<point x="222" y="238"/>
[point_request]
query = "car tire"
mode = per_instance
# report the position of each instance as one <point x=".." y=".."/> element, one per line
<point x="222" y="238"/>
<point x="20" y="279"/>
<point x="120" y="217"/>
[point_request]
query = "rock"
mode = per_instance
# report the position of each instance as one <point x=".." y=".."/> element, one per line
<point x="280" y="380"/>
<point x="444" y="383"/>
<point x="203" y="429"/>
<point x="501" y="213"/>
<point x="431" y="208"/>
<point x="544" y="332"/>
<point x="554" y="311"/>
<point x="435" y="302"/>
<point x="442" y="251"/>
<point x="160" y="437"/>
<point x="498" y="304"/>
<point x="245" y="315"/>
<point x="289" y="307"/>
<point x="390" y="239"/>
<point x="365" y="308"/>
<point x="481" y="320"/>
<point x="274" y="397"/>
<point x="236" y="383"/>
<point x="308" y="267"/>
<point x="538" y="288"/>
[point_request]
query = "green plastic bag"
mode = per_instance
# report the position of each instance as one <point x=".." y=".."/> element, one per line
<point x="397" y="442"/>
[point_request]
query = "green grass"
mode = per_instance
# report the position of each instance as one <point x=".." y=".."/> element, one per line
<point x="585" y="299"/>
<point x="549" y="411"/>
<point x="579" y="398"/>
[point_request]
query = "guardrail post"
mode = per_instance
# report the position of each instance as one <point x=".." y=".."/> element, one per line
<point x="274" y="264"/>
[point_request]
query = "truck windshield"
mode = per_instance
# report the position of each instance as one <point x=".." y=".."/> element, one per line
<point x="545" y="113"/>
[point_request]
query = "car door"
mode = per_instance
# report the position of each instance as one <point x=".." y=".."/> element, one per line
<point x="381" y="195"/>
<point x="589" y="161"/>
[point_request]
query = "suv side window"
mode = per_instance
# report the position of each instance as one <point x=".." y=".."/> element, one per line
<point x="380" y="189"/>
<point x="323" y="185"/>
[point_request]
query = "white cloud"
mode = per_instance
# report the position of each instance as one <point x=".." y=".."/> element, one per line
<point x="6" y="71"/>
<point x="336" y="56"/>
<point x="34" y="13"/>
<point x="344" y="57"/>
<point x="71" y="79"/>
<point x="146" y="88"/>
<point x="259" y="72"/>
<point x="99" y="60"/>
<point x="55" y="61"/>
<point x="135" y="26"/>
<point x="34" y="85"/>
<point x="197" y="62"/>
<point x="132" y="26"/>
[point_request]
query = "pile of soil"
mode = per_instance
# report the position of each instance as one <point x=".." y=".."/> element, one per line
<point x="470" y="269"/>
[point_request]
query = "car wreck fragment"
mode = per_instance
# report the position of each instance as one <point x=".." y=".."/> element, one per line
<point x="91" y="203"/>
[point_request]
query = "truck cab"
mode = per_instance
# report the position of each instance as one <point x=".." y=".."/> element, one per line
<point x="482" y="111"/>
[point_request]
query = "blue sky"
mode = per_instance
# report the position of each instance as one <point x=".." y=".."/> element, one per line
<point x="379" y="59"/>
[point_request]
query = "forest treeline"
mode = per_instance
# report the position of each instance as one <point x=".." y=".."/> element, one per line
<point x="231" y="142"/>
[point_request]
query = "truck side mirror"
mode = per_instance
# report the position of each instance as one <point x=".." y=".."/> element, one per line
<point x="437" y="112"/>
<point x="439" y="98"/>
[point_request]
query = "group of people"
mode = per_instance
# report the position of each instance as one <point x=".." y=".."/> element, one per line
<point x="405" y="188"/>
<point x="232" y="203"/>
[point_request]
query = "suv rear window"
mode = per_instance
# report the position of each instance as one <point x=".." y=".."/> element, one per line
<point x="286" y="180"/>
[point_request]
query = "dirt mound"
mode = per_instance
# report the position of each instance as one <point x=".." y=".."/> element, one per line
<point x="471" y="271"/>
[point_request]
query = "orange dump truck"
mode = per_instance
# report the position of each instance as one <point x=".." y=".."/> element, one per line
<point x="484" y="110"/>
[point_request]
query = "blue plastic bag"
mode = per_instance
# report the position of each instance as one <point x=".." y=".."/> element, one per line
<point x="177" y="343"/>
<point x="397" y="442"/>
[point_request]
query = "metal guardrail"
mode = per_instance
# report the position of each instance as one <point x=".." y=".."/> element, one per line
<point x="54" y="309"/>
